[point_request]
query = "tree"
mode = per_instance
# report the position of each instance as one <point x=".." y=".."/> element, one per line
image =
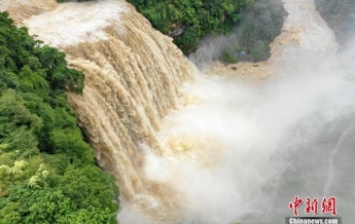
<point x="47" y="170"/>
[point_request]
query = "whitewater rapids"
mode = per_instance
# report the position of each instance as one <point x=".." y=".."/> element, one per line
<point x="185" y="147"/>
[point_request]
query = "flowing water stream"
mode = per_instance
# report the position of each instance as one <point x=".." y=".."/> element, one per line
<point x="187" y="147"/>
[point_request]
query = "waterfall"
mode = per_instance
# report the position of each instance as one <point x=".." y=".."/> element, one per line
<point x="133" y="78"/>
<point x="186" y="147"/>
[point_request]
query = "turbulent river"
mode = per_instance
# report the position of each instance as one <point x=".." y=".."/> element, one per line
<point x="211" y="145"/>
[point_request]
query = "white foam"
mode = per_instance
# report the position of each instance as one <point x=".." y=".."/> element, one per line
<point x="72" y="23"/>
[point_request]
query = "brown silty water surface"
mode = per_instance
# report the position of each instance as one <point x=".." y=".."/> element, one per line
<point x="213" y="146"/>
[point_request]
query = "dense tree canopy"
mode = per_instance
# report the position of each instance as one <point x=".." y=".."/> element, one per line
<point x="187" y="21"/>
<point x="339" y="15"/>
<point x="257" y="23"/>
<point x="261" y="23"/>
<point x="47" y="171"/>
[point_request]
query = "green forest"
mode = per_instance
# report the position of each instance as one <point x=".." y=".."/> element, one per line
<point x="261" y="22"/>
<point x="47" y="171"/>
<point x="339" y="16"/>
<point x="187" y="21"/>
<point x="254" y="23"/>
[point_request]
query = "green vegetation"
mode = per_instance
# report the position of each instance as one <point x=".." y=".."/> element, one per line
<point x="339" y="16"/>
<point x="187" y="21"/>
<point x="262" y="22"/>
<point x="257" y="23"/>
<point x="47" y="171"/>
